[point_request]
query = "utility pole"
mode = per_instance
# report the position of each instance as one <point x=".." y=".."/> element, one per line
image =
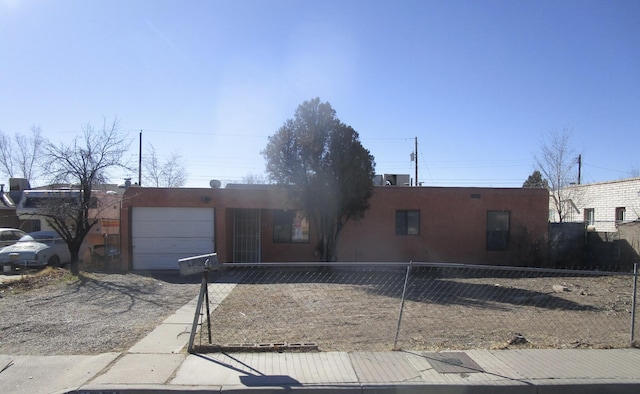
<point x="579" y="167"/>
<point x="140" y="161"/>
<point x="417" y="162"/>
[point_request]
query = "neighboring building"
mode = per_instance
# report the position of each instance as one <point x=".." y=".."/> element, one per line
<point x="254" y="223"/>
<point x="602" y="206"/>
<point x="629" y="245"/>
<point x="8" y="217"/>
<point x="105" y="209"/>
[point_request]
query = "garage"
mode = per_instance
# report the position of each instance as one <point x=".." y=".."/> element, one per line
<point x="161" y="236"/>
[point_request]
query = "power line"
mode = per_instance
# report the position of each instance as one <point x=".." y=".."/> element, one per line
<point x="604" y="168"/>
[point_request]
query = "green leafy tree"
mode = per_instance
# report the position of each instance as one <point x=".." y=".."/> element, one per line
<point x="84" y="163"/>
<point x="536" y="180"/>
<point x="327" y="170"/>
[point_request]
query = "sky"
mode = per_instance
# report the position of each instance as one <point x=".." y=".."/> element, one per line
<point x="479" y="84"/>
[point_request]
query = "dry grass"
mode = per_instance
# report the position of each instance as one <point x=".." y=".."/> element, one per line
<point x="439" y="313"/>
<point x="36" y="279"/>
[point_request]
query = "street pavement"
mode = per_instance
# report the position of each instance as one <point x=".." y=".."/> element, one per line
<point x="160" y="364"/>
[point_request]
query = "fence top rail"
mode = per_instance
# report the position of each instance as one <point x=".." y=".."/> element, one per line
<point x="360" y="264"/>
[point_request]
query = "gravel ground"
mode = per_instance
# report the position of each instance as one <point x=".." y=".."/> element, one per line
<point x="56" y="313"/>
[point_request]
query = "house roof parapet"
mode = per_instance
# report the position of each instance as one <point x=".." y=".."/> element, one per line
<point x="625" y="180"/>
<point x="261" y="186"/>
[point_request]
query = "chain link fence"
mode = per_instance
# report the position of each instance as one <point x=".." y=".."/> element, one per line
<point x="417" y="306"/>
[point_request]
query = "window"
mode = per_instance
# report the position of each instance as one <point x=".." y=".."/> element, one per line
<point x="290" y="227"/>
<point x="30" y="225"/>
<point x="589" y="216"/>
<point x="498" y="230"/>
<point x="407" y="222"/>
<point x="620" y="214"/>
<point x="10" y="235"/>
<point x="55" y="201"/>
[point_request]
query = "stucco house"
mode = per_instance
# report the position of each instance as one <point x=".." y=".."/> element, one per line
<point x="256" y="223"/>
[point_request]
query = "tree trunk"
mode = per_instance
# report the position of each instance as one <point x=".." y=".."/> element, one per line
<point x="74" y="266"/>
<point x="334" y="243"/>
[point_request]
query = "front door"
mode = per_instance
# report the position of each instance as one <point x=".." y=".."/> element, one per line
<point x="246" y="236"/>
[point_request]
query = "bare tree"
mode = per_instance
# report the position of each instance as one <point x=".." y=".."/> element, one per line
<point x="254" y="179"/>
<point x="6" y="155"/>
<point x="84" y="163"/>
<point x="20" y="157"/>
<point x="170" y="173"/>
<point x="556" y="161"/>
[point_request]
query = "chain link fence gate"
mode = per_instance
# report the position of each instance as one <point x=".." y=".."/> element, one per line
<point x="417" y="306"/>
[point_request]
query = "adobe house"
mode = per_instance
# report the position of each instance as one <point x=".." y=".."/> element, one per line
<point x="256" y="223"/>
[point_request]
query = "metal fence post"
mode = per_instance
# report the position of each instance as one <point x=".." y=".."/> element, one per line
<point x="198" y="314"/>
<point x="404" y="291"/>
<point x="633" y="302"/>
<point x="195" y="265"/>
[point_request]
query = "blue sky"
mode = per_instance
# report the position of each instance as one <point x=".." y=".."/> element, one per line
<point x="479" y="83"/>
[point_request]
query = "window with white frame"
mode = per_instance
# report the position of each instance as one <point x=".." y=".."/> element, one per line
<point x="589" y="216"/>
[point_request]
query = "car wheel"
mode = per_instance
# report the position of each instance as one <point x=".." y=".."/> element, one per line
<point x="54" y="261"/>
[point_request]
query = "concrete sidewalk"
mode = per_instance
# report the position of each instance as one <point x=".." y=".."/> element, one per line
<point x="158" y="364"/>
<point x="502" y="371"/>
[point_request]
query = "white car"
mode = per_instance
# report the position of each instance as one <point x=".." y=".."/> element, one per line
<point x="35" y="250"/>
<point x="9" y="236"/>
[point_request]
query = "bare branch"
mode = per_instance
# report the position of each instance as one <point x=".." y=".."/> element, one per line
<point x="556" y="162"/>
<point x="6" y="155"/>
<point x="254" y="179"/>
<point x="173" y="172"/>
<point x="88" y="158"/>
<point x="170" y="173"/>
<point x="84" y="163"/>
<point x="151" y="167"/>
<point x="29" y="152"/>
<point x="21" y="159"/>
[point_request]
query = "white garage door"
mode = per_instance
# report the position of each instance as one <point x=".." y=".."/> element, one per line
<point x="161" y="236"/>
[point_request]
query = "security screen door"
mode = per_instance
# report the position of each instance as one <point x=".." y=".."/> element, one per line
<point x="246" y="235"/>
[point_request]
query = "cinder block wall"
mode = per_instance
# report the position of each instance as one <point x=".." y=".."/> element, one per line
<point x="604" y="198"/>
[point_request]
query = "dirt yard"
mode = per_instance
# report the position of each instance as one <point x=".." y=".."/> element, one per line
<point x="338" y="311"/>
<point x="361" y="312"/>
<point x="52" y="312"/>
